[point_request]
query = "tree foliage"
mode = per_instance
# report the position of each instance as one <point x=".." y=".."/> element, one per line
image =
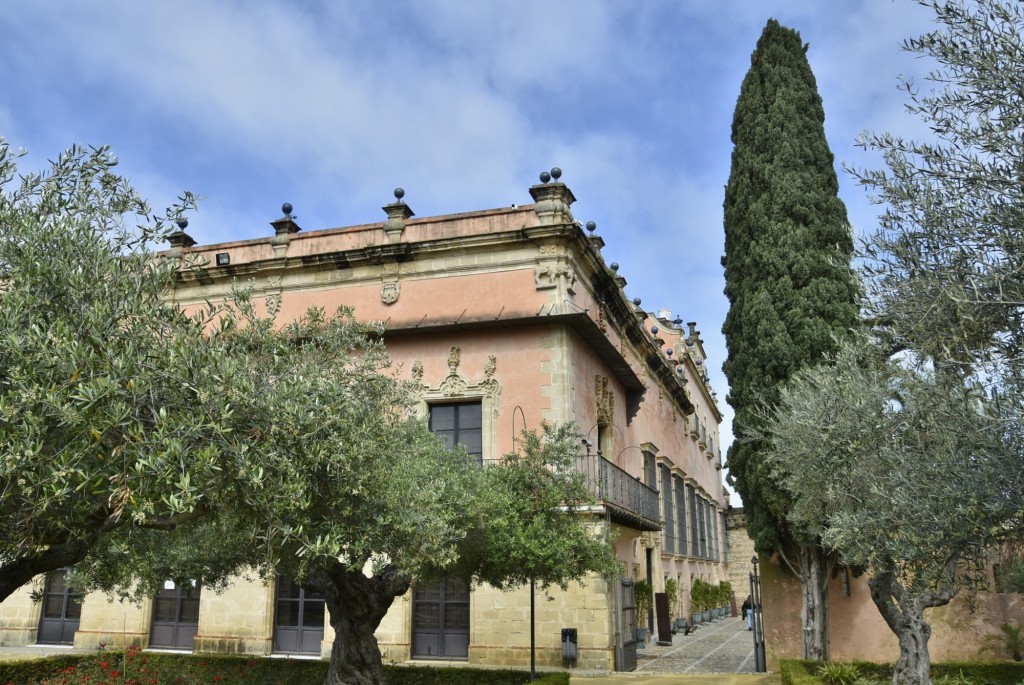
<point x="788" y="279"/>
<point x="530" y="511"/>
<point x="109" y="418"/>
<point x="945" y="264"/>
<point x="922" y="424"/>
<point x="141" y="443"/>
<point x="907" y="472"/>
<point x="904" y="471"/>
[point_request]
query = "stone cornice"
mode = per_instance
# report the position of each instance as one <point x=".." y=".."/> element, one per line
<point x="580" y="252"/>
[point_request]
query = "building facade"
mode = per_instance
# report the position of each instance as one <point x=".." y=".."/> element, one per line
<point x="503" y="319"/>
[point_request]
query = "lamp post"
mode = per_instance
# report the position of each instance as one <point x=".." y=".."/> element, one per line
<point x="758" y="619"/>
<point x="533" y="635"/>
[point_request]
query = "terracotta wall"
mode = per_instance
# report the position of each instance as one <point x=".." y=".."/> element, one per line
<point x="857" y="630"/>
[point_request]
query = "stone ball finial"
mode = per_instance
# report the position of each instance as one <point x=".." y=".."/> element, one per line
<point x="399" y="193"/>
<point x="545" y="177"/>
<point x="182" y="223"/>
<point x="556" y="173"/>
<point x="669" y="351"/>
<point x="287" y="208"/>
<point x="615" y="267"/>
<point x="654" y="330"/>
<point x="636" y="301"/>
<point x="591" y="226"/>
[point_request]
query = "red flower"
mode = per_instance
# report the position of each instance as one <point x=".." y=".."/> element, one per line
<point x="104" y="664"/>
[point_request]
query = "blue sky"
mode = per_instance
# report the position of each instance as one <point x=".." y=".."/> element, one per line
<point x="330" y="105"/>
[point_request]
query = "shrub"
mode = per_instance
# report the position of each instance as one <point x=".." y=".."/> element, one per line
<point x="724" y="593"/>
<point x="1009" y="641"/>
<point x="796" y="672"/>
<point x="144" y="668"/>
<point x="958" y="679"/>
<point x="701" y="595"/>
<point x="838" y="673"/>
<point x="672" y="592"/>
<point x="644" y="601"/>
<point x="991" y="672"/>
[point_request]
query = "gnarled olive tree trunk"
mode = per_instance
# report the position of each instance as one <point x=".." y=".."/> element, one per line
<point x="357" y="604"/>
<point x="904" y="613"/>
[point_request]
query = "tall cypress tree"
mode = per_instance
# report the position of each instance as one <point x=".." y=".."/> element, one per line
<point x="790" y="285"/>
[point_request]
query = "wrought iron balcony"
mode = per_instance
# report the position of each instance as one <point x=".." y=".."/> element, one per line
<point x="629" y="501"/>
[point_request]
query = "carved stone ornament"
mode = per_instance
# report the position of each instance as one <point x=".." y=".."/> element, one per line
<point x="272" y="292"/>
<point x="455" y="385"/>
<point x="605" y="400"/>
<point x="548" y="276"/>
<point x="389" y="292"/>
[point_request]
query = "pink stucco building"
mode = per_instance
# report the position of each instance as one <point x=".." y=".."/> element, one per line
<point x="504" y="318"/>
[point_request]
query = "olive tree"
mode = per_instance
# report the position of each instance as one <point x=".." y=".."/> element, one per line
<point x="943" y="269"/>
<point x="108" y="416"/>
<point x="904" y="472"/>
<point x="944" y="296"/>
<point x="139" y="443"/>
<point x="355" y="498"/>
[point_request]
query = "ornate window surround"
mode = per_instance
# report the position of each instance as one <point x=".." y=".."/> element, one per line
<point x="455" y="387"/>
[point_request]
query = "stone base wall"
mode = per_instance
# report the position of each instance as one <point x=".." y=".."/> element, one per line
<point x="240" y="620"/>
<point x="19" y="618"/>
<point x="500" y="625"/>
<point x="393" y="634"/>
<point x="113" y="624"/>
<point x="236" y="646"/>
<point x="243" y="613"/>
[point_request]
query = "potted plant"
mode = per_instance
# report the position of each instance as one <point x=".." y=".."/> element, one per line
<point x="644" y="594"/>
<point x="725" y="590"/>
<point x="700" y="598"/>
<point x="672" y="592"/>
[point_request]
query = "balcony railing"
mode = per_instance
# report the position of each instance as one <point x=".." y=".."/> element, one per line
<point x="629" y="501"/>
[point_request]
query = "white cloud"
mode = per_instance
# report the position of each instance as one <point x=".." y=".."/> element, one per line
<point x="331" y="105"/>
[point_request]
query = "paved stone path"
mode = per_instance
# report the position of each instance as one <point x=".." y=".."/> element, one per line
<point x="679" y="679"/>
<point x="719" y="653"/>
<point x="725" y="646"/>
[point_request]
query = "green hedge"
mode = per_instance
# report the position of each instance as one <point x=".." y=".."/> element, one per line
<point x="999" y="672"/>
<point x="796" y="672"/>
<point x="146" y="668"/>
